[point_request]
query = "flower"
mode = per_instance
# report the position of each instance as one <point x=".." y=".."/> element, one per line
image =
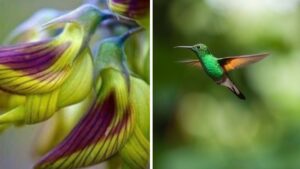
<point x="55" y="68"/>
<point x="27" y="31"/>
<point x="111" y="53"/>
<point x="48" y="71"/>
<point x="117" y="122"/>
<point x="109" y="126"/>
<point x="101" y="132"/>
<point x="42" y="66"/>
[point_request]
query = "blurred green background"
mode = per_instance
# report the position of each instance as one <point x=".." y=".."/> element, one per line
<point x="199" y="125"/>
<point x="16" y="144"/>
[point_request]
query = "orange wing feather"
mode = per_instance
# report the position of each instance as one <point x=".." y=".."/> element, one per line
<point x="235" y="62"/>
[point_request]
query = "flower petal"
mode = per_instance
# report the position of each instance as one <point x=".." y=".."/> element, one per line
<point x="79" y="83"/>
<point x="39" y="67"/>
<point x="136" y="151"/>
<point x="27" y="68"/>
<point x="41" y="106"/>
<point x="37" y="107"/>
<point x="54" y="130"/>
<point x="130" y="8"/>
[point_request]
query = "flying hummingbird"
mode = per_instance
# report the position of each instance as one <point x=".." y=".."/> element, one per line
<point x="218" y="68"/>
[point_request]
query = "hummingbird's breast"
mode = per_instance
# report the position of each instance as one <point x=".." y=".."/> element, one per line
<point x="212" y="67"/>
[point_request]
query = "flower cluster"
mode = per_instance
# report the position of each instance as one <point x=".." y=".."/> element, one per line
<point x="87" y="70"/>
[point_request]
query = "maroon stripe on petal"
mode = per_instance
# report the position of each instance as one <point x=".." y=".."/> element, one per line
<point x="22" y="46"/>
<point x="122" y="125"/>
<point x="40" y="61"/>
<point x="92" y="126"/>
<point x="136" y="8"/>
<point x="35" y="60"/>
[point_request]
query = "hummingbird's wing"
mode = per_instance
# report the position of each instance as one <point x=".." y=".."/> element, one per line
<point x="231" y="86"/>
<point x="195" y="63"/>
<point x="235" y="62"/>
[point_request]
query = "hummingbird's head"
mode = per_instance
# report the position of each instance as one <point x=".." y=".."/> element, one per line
<point x="199" y="48"/>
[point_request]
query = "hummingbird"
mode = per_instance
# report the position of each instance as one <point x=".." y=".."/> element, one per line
<point x="218" y="68"/>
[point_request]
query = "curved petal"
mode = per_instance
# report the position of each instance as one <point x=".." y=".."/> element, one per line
<point x="79" y="83"/>
<point x="27" y="68"/>
<point x="41" y="106"/>
<point x="136" y="151"/>
<point x="54" y="130"/>
<point x="39" y="67"/>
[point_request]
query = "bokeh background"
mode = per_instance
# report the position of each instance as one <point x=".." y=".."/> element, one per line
<point x="199" y="125"/>
<point x="17" y="143"/>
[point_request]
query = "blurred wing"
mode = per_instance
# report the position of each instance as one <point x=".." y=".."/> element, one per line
<point x="195" y="63"/>
<point x="235" y="62"/>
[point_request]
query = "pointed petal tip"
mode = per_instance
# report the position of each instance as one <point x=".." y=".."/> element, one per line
<point x="75" y="15"/>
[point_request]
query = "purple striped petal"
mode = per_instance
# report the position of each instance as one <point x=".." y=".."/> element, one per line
<point x="98" y="136"/>
<point x="24" y="63"/>
<point x="31" y="58"/>
<point x="130" y="8"/>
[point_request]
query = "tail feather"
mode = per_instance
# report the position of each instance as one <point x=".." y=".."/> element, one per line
<point x="232" y="87"/>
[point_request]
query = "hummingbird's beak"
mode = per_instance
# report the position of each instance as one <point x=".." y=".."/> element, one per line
<point x="185" y="47"/>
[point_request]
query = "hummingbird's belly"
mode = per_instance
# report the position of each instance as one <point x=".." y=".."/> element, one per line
<point x="214" y="70"/>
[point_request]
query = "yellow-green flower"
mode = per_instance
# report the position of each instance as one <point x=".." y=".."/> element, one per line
<point x="117" y="123"/>
<point x="50" y="70"/>
<point x="111" y="126"/>
<point x="27" y="31"/>
<point x="55" y="68"/>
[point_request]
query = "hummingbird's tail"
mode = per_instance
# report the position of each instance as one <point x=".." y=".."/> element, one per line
<point x="232" y="87"/>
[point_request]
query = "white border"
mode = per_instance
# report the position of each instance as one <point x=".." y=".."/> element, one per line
<point x="151" y="84"/>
